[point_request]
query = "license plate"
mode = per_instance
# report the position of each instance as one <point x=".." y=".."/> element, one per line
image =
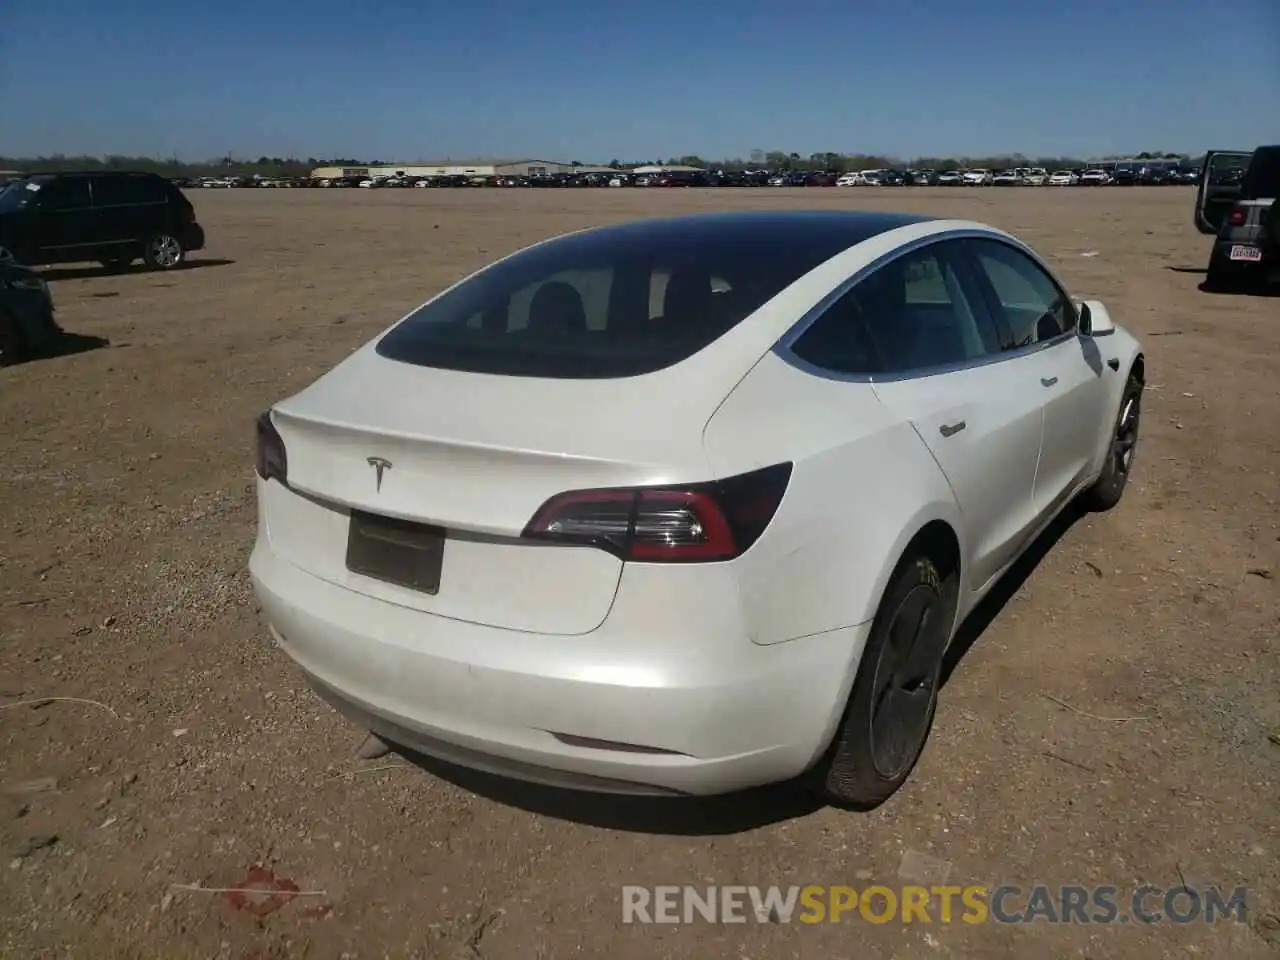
<point x="1252" y="254"/>
<point x="395" y="551"/>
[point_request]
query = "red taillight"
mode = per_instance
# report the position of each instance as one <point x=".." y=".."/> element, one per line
<point x="684" y="523"/>
<point x="272" y="463"/>
<point x="1238" y="216"/>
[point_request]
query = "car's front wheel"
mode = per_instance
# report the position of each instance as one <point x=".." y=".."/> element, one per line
<point x="890" y="710"/>
<point x="163" y="252"/>
<point x="1110" y="485"/>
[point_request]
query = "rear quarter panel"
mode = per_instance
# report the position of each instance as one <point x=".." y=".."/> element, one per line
<point x="863" y="484"/>
<point x="1253" y="230"/>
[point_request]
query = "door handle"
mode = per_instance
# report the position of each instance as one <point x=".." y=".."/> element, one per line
<point x="951" y="429"/>
<point x="1113" y="363"/>
<point x="1048" y="381"/>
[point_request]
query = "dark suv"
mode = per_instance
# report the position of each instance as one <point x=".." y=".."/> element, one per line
<point x="1236" y="201"/>
<point x="112" y="217"/>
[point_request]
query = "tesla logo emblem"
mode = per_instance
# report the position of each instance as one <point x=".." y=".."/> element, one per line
<point x="379" y="465"/>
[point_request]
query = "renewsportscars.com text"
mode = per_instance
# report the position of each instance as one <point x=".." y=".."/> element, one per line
<point x="971" y="904"/>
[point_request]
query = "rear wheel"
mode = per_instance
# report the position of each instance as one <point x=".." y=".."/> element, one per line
<point x="163" y="252"/>
<point x="1110" y="485"/>
<point x="1222" y="276"/>
<point x="13" y="347"/>
<point x="895" y="692"/>
<point x="1271" y="225"/>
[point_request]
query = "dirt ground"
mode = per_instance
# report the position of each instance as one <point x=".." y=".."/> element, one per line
<point x="1117" y="720"/>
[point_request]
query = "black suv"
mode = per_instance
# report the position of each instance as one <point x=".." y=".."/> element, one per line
<point x="1237" y="202"/>
<point x="112" y="217"/>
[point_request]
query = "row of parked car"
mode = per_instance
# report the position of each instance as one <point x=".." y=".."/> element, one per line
<point x="1111" y="175"/>
<point x="1123" y="174"/>
<point x="119" y="217"/>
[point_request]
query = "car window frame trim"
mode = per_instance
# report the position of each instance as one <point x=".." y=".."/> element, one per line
<point x="782" y="348"/>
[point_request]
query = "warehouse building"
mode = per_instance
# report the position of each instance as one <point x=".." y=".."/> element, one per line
<point x="457" y="168"/>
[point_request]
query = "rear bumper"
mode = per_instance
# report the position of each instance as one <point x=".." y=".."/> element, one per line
<point x="1266" y="270"/>
<point x="719" y="714"/>
<point x="193" y="237"/>
<point x="1270" y="254"/>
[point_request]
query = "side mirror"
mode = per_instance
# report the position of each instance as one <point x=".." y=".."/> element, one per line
<point x="1095" y="319"/>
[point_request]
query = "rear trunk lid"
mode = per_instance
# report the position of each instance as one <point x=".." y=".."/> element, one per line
<point x="477" y="455"/>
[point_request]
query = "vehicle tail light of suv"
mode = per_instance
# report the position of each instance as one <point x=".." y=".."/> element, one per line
<point x="671" y="524"/>
<point x="1238" y="216"/>
<point x="272" y="463"/>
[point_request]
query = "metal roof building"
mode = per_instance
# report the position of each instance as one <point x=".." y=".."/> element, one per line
<point x="667" y="168"/>
<point x="457" y="168"/>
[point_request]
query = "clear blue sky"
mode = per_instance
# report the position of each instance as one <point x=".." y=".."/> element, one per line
<point x="556" y="79"/>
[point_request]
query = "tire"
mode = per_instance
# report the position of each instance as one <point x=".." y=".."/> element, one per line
<point x="13" y="346"/>
<point x="859" y="771"/>
<point x="163" y="251"/>
<point x="1110" y="485"/>
<point x="1271" y="225"/>
<point x="1219" y="276"/>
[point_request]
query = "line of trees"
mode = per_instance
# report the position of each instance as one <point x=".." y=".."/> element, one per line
<point x="759" y="159"/>
<point x="173" y="167"/>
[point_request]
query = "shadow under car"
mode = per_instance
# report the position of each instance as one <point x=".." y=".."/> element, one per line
<point x="61" y="272"/>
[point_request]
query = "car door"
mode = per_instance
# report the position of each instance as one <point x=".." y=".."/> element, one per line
<point x="1039" y="324"/>
<point x="62" y="223"/>
<point x="1219" y="186"/>
<point x="129" y="208"/>
<point x="942" y="370"/>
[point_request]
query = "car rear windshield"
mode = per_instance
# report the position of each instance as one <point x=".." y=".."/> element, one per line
<point x="620" y="301"/>
<point x="1263" y="176"/>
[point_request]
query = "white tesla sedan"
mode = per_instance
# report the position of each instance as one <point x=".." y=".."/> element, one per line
<point x="687" y="505"/>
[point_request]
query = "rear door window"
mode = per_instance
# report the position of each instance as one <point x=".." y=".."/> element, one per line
<point x="920" y="312"/>
<point x="923" y="310"/>
<point x="120" y="191"/>
<point x="838" y="341"/>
